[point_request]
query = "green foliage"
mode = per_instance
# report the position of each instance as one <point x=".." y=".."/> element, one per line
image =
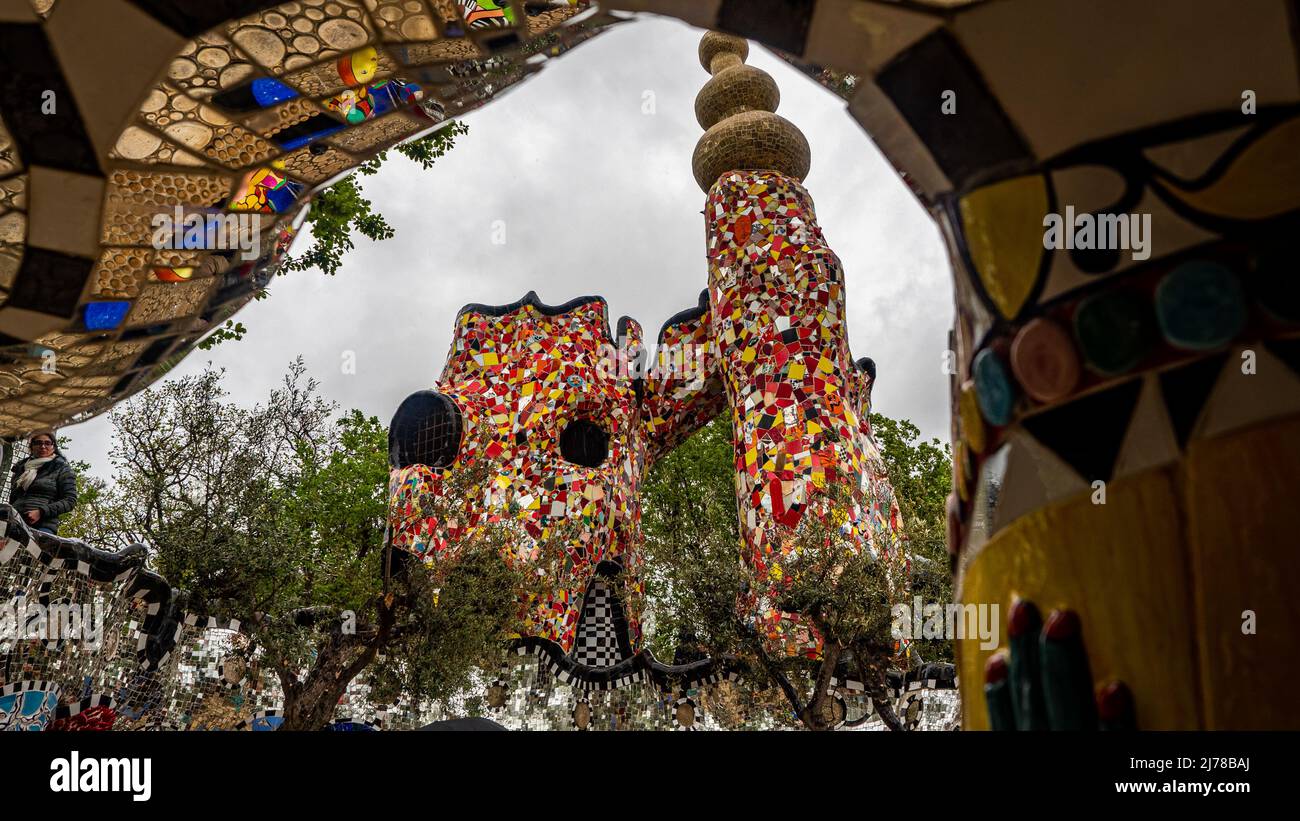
<point x="428" y="149"/>
<point x="232" y="331"/>
<point x="921" y="473"/>
<point x="332" y="507"/>
<point x="463" y="630"/>
<point x="341" y="209"/>
<point x="91" y="492"/>
<point x="694" y="576"/>
<point x="692" y="536"/>
<point x="335" y="213"/>
<point x="254" y="511"/>
<point x="275" y="515"/>
<point x="93" y="505"/>
<point x="467" y="603"/>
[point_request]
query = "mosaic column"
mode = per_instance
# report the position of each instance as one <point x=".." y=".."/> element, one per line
<point x="776" y="292"/>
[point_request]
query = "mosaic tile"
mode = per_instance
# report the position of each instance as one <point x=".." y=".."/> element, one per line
<point x="287" y="36"/>
<point x="209" y="64"/>
<point x="520" y="376"/>
<point x="800" y="403"/>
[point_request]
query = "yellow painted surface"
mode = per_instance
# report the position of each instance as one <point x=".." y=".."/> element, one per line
<point x="972" y="421"/>
<point x="1262" y="182"/>
<point x="1241" y="501"/>
<point x="1160" y="576"/>
<point x="1122" y="566"/>
<point x="1003" y="227"/>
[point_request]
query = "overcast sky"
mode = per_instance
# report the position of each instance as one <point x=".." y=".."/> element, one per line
<point x="597" y="197"/>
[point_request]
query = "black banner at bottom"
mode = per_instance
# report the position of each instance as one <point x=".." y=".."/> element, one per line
<point x="48" y="772"/>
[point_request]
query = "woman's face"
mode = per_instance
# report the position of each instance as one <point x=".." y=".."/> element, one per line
<point x="42" y="446"/>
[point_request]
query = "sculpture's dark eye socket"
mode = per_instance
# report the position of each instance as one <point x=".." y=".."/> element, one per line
<point x="868" y="366"/>
<point x="584" y="443"/>
<point x="425" y="431"/>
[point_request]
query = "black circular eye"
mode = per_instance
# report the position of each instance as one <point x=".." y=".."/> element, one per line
<point x="584" y="443"/>
<point x="868" y="366"/>
<point x="425" y="431"/>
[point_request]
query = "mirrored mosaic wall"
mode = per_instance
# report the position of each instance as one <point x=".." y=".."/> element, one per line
<point x="141" y="665"/>
<point x="138" y="215"/>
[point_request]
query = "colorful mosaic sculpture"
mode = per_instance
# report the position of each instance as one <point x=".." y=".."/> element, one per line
<point x="1162" y="378"/>
<point x="537" y="393"/>
<point x="568" y="436"/>
<point x="800" y="404"/>
<point x="530" y="394"/>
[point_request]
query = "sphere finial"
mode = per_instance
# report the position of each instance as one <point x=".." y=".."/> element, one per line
<point x="737" y="108"/>
<point x="715" y="44"/>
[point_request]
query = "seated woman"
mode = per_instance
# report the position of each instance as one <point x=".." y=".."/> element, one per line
<point x="44" y="484"/>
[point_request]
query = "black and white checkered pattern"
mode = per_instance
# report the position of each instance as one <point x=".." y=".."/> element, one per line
<point x="932" y="676"/>
<point x="567" y="671"/>
<point x="76" y="707"/>
<point x="596" y="644"/>
<point x="28" y="685"/>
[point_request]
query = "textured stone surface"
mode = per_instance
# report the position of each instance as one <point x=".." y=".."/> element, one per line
<point x="735" y="90"/>
<point x="714" y="43"/>
<point x="754" y="140"/>
<point x="737" y="108"/>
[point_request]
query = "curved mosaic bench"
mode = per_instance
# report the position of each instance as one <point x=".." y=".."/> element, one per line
<point x="56" y="556"/>
<point x="142" y="622"/>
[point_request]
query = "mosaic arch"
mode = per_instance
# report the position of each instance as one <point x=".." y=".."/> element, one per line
<point x="1169" y="375"/>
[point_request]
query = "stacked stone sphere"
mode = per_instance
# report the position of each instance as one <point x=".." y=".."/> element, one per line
<point x="736" y="109"/>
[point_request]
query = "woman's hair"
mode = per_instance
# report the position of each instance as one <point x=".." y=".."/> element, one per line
<point x="47" y="432"/>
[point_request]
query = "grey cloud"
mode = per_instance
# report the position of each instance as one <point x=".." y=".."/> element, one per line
<point x="596" y="198"/>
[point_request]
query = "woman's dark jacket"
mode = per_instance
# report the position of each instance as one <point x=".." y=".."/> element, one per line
<point x="53" y="492"/>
